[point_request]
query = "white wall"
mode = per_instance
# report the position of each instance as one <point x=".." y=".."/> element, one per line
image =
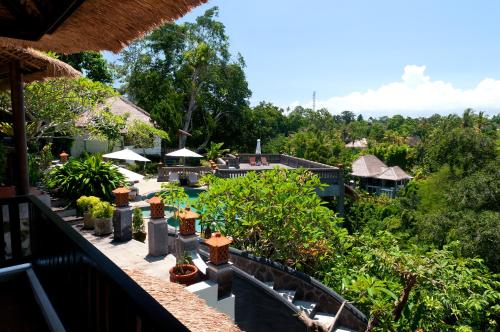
<point x="95" y="146"/>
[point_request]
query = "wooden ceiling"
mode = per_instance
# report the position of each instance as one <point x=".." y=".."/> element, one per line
<point x="31" y="19"/>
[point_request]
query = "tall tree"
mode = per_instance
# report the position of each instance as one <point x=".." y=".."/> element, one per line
<point x="92" y="64"/>
<point x="186" y="77"/>
<point x="53" y="106"/>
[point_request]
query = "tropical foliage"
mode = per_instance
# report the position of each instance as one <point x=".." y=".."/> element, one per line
<point x="90" y="177"/>
<point x="275" y="214"/>
<point x="174" y="195"/>
<point x="53" y="106"/>
<point x="142" y="135"/>
<point x="185" y="76"/>
<point x="215" y="151"/>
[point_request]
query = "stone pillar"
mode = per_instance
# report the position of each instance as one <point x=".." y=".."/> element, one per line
<point x="187" y="243"/>
<point x="157" y="228"/>
<point x="223" y="276"/>
<point x="218" y="267"/>
<point x="122" y="224"/>
<point x="158" y="237"/>
<point x="122" y="218"/>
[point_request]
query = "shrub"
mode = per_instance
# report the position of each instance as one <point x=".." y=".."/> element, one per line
<point x="174" y="195"/>
<point x="90" y="177"/>
<point x="276" y="214"/>
<point x="102" y="210"/>
<point x="137" y="221"/>
<point x="86" y="203"/>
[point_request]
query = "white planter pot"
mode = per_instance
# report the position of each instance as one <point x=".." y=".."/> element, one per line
<point x="88" y="221"/>
<point x="103" y="226"/>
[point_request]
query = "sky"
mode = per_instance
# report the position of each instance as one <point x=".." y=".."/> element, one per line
<point x="376" y="58"/>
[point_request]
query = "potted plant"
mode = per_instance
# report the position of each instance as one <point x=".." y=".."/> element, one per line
<point x="85" y="205"/>
<point x="184" y="272"/>
<point x="102" y="213"/>
<point x="138" y="226"/>
<point x="5" y="191"/>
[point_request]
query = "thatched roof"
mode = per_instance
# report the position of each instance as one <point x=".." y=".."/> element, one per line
<point x="118" y="105"/>
<point x="394" y="173"/>
<point x="35" y="65"/>
<point x="105" y="24"/>
<point x="369" y="166"/>
<point x="188" y="308"/>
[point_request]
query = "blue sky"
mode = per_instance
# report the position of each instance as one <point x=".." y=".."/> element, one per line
<point x="373" y="57"/>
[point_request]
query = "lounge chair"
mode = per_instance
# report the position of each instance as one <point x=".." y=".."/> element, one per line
<point x="233" y="163"/>
<point x="252" y="161"/>
<point x="193" y="178"/>
<point x="173" y="177"/>
<point x="264" y="161"/>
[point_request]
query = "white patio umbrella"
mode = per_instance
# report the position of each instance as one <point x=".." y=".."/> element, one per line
<point x="258" y="149"/>
<point x="183" y="153"/>
<point x="129" y="175"/>
<point x="186" y="153"/>
<point x="125" y="154"/>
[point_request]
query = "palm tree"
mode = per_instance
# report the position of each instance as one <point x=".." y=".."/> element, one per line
<point x="215" y="151"/>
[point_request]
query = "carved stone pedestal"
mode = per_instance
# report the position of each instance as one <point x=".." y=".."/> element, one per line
<point x="158" y="237"/>
<point x="223" y="276"/>
<point x="122" y="224"/>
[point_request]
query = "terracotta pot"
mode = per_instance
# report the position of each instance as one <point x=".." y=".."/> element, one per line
<point x="7" y="191"/>
<point x="103" y="226"/>
<point x="88" y="221"/>
<point x="139" y="236"/>
<point x="190" y="276"/>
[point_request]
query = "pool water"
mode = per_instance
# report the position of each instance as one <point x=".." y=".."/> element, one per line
<point x="192" y="193"/>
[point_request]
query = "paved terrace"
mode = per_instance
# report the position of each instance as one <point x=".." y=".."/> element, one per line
<point x="151" y="273"/>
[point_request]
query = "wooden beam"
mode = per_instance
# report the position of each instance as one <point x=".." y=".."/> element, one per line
<point x="33" y="25"/>
<point x="19" y="126"/>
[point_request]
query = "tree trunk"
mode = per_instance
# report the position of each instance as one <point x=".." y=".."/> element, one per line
<point x="372" y="322"/>
<point x="311" y="325"/>
<point x="410" y="281"/>
<point x="205" y="142"/>
<point x="191" y="108"/>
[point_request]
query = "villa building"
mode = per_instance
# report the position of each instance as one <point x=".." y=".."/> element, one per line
<point x="376" y="177"/>
<point x="118" y="106"/>
<point x="358" y="144"/>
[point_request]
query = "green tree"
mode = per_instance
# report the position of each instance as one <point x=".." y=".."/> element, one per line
<point x="185" y="75"/>
<point x="104" y="125"/>
<point x="276" y="214"/>
<point x="142" y="135"/>
<point x="53" y="106"/>
<point x="92" y="64"/>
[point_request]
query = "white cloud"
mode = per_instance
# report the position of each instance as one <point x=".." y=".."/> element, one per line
<point x="416" y="94"/>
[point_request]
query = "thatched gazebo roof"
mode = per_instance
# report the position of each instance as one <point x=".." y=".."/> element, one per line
<point x="35" y="65"/>
<point x="94" y="25"/>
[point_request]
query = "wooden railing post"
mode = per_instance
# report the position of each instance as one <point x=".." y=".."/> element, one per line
<point x="19" y="127"/>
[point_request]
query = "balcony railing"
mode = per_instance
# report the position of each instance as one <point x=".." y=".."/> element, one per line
<point x="327" y="174"/>
<point x="87" y="290"/>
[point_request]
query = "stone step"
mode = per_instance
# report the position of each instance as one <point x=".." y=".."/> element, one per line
<point x="288" y="294"/>
<point x="306" y="306"/>
<point x="324" y="318"/>
<point x="73" y="219"/>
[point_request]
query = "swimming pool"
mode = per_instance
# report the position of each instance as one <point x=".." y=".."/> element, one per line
<point x="192" y="193"/>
